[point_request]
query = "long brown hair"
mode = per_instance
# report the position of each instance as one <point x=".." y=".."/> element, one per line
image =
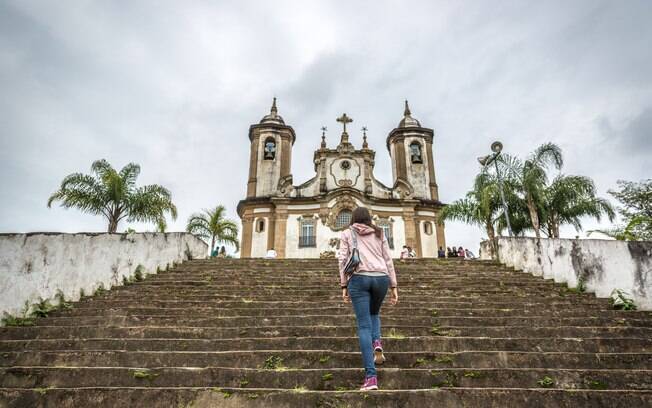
<point x="361" y="215"/>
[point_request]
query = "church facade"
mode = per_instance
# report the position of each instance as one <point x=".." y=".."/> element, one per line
<point x="305" y="220"/>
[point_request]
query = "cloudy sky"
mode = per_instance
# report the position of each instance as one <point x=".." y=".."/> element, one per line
<point x="174" y="87"/>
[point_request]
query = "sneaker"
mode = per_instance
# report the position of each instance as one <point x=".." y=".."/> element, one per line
<point x="370" y="383"/>
<point x="379" y="357"/>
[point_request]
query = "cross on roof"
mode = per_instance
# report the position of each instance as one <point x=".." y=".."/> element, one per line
<point x="344" y="120"/>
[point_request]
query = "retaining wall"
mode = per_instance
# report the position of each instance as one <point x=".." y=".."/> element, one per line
<point x="604" y="265"/>
<point x="36" y="265"/>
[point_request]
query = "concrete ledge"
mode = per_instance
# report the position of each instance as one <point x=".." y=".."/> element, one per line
<point x="36" y="265"/>
<point x="604" y="265"/>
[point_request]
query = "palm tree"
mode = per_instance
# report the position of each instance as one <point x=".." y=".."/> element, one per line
<point x="567" y="199"/>
<point x="212" y="224"/>
<point x="533" y="178"/>
<point x="478" y="208"/>
<point x="114" y="195"/>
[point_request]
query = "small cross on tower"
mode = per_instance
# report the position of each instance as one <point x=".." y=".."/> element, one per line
<point x="344" y="120"/>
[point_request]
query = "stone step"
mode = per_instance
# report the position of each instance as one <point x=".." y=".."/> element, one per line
<point x="302" y="359"/>
<point x="319" y="378"/>
<point x="203" y="397"/>
<point x="421" y="344"/>
<point x="341" y="320"/>
<point x="335" y="295"/>
<point x="68" y="332"/>
<point x="586" y="303"/>
<point x="212" y="397"/>
<point x="339" y="309"/>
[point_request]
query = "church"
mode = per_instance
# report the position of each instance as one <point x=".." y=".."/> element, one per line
<point x="305" y="220"/>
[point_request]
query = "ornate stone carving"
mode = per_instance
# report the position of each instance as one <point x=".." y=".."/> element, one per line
<point x="344" y="202"/>
<point x="285" y="187"/>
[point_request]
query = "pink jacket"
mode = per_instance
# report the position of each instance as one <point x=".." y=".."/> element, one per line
<point x="374" y="253"/>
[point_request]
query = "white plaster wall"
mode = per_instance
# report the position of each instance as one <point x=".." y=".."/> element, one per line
<point x="398" y="230"/>
<point x="324" y="234"/>
<point x="417" y="173"/>
<point x="268" y="171"/>
<point x="37" y="265"/>
<point x="605" y="264"/>
<point x="428" y="242"/>
<point x="259" y="239"/>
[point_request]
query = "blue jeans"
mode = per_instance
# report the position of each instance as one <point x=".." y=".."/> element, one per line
<point x="367" y="294"/>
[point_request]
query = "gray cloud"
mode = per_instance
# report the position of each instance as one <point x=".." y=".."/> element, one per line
<point x="175" y="87"/>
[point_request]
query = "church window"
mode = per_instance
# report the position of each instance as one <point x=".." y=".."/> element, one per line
<point x="427" y="227"/>
<point x="343" y="219"/>
<point x="260" y="225"/>
<point x="415" y="152"/>
<point x="307" y="238"/>
<point x="270" y="149"/>
<point x="386" y="226"/>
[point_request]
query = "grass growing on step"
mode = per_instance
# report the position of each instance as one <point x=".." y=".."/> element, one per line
<point x="138" y="273"/>
<point x="42" y="308"/>
<point x="62" y="303"/>
<point x="25" y="319"/>
<point x="273" y="363"/>
<point x="546" y="382"/>
<point x="434" y="312"/>
<point x="419" y="362"/>
<point x="443" y="360"/>
<point x="244" y="382"/>
<point x="472" y="374"/>
<point x="252" y="396"/>
<point x="395" y="334"/>
<point x="596" y="385"/>
<point x="144" y="374"/>
<point x="324" y="359"/>
<point x="100" y="290"/>
<point x="620" y="300"/>
<point x="42" y="391"/>
<point x="449" y="380"/>
<point x="327" y="377"/>
<point x="226" y="394"/>
<point x="245" y="300"/>
<point x="300" y="389"/>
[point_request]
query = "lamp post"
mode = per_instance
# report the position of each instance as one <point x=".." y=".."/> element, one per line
<point x="496" y="148"/>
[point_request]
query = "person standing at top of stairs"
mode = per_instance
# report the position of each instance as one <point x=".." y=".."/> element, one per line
<point x="367" y="287"/>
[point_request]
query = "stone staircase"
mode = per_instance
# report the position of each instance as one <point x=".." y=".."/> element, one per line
<point x="274" y="333"/>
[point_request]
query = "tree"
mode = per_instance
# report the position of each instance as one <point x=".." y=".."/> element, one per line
<point x="567" y="199"/>
<point x="636" y="211"/>
<point x="115" y="195"/>
<point x="212" y="224"/>
<point x="533" y="178"/>
<point x="478" y="208"/>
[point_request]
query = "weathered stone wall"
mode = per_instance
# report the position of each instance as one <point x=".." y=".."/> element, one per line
<point x="38" y="264"/>
<point x="604" y="265"/>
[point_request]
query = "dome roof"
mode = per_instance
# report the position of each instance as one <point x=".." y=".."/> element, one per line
<point x="408" y="120"/>
<point x="273" y="116"/>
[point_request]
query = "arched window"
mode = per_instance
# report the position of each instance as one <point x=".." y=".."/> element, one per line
<point x="415" y="152"/>
<point x="343" y="219"/>
<point x="270" y="149"/>
<point x="260" y="225"/>
<point x="427" y="227"/>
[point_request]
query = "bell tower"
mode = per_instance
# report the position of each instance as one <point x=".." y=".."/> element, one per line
<point x="410" y="147"/>
<point x="270" y="161"/>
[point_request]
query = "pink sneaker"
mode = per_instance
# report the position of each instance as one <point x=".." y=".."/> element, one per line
<point x="379" y="357"/>
<point x="370" y="383"/>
